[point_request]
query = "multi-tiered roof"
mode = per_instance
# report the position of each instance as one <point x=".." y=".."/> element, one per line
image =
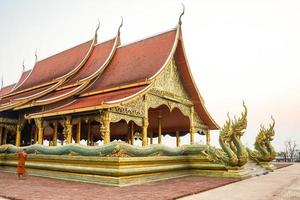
<point x="95" y="75"/>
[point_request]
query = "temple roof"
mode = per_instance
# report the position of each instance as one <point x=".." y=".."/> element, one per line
<point x="56" y="66"/>
<point x="136" y="62"/>
<point x="108" y="75"/>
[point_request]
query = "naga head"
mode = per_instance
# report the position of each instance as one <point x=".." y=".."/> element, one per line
<point x="261" y="137"/>
<point x="239" y="125"/>
<point x="226" y="130"/>
<point x="270" y="131"/>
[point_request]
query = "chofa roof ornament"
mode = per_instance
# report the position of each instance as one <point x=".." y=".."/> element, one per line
<point x="182" y="13"/>
<point x="119" y="29"/>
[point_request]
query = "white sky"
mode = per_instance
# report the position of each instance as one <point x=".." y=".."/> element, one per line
<point x="237" y="50"/>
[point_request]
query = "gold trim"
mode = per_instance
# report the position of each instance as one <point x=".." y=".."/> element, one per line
<point x="115" y="88"/>
<point x="68" y="86"/>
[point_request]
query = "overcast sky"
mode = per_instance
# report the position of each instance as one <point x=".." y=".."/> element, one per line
<point x="237" y="50"/>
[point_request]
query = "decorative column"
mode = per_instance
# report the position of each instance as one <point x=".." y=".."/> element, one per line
<point x="208" y="137"/>
<point x="192" y="129"/>
<point x="145" y="123"/>
<point x="132" y="133"/>
<point x="144" y="133"/>
<point x="159" y="127"/>
<point x="18" y="135"/>
<point x="54" y="138"/>
<point x="105" y="126"/>
<point x="78" y="134"/>
<point x="69" y="127"/>
<point x="177" y="138"/>
<point x="39" y="124"/>
<point x="1" y="133"/>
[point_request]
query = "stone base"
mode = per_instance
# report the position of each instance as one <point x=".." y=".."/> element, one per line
<point x="120" y="171"/>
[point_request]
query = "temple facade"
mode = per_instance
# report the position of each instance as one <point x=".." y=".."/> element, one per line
<point x="106" y="91"/>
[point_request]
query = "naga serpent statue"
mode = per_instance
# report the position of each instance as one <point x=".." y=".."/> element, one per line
<point x="265" y="152"/>
<point x="234" y="152"/>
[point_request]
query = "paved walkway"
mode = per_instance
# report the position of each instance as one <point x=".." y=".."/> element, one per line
<point x="36" y="188"/>
<point x="283" y="184"/>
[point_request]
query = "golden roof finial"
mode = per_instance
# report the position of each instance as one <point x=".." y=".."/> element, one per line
<point x="182" y="13"/>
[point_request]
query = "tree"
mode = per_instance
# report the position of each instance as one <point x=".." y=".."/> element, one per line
<point x="282" y="155"/>
<point x="290" y="148"/>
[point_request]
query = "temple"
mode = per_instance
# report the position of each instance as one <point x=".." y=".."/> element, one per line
<point x="116" y="94"/>
<point x="105" y="91"/>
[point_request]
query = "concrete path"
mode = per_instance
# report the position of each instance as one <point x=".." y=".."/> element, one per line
<point x="282" y="184"/>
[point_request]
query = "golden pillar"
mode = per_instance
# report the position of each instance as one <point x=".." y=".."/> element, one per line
<point x="145" y="122"/>
<point x="69" y="129"/>
<point x="78" y="135"/>
<point x="192" y="129"/>
<point x="159" y="127"/>
<point x="1" y="134"/>
<point x="144" y="133"/>
<point x="132" y="133"/>
<point x="105" y="126"/>
<point x="54" y="138"/>
<point x="208" y="137"/>
<point x="39" y="124"/>
<point x="18" y="135"/>
<point x="177" y="138"/>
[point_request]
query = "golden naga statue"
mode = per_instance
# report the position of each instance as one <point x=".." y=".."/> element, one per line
<point x="265" y="152"/>
<point x="235" y="152"/>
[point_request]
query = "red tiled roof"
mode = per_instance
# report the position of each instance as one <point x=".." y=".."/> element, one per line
<point x="95" y="61"/>
<point x="136" y="62"/>
<point x="55" y="66"/>
<point x="5" y="90"/>
<point x="97" y="58"/>
<point x="24" y="94"/>
<point x="54" y="94"/>
<point x="24" y="75"/>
